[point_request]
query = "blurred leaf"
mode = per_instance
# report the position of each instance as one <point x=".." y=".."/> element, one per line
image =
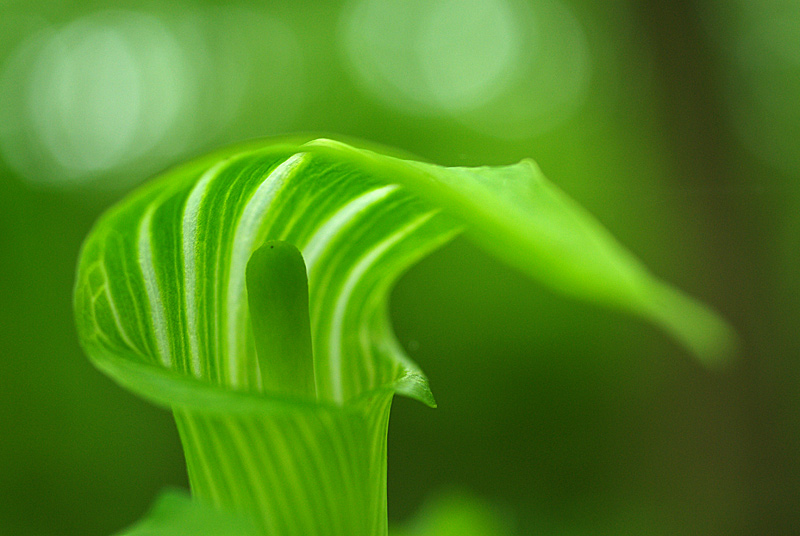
<point x="456" y="514"/>
<point x="174" y="513"/>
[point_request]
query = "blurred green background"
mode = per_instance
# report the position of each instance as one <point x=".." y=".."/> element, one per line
<point x="676" y="122"/>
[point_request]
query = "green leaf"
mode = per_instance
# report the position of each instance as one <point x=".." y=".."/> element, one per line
<point x="175" y="514"/>
<point x="180" y="298"/>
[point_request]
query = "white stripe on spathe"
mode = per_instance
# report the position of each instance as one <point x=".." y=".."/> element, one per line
<point x="114" y="310"/>
<point x="244" y="238"/>
<point x="156" y="304"/>
<point x="353" y="277"/>
<point x="335" y="224"/>
<point x="339" y="220"/>
<point x="189" y="231"/>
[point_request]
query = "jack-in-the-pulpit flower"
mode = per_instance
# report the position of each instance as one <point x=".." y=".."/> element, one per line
<point x="247" y="291"/>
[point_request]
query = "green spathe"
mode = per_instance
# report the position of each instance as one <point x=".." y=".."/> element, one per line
<point x="192" y="292"/>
